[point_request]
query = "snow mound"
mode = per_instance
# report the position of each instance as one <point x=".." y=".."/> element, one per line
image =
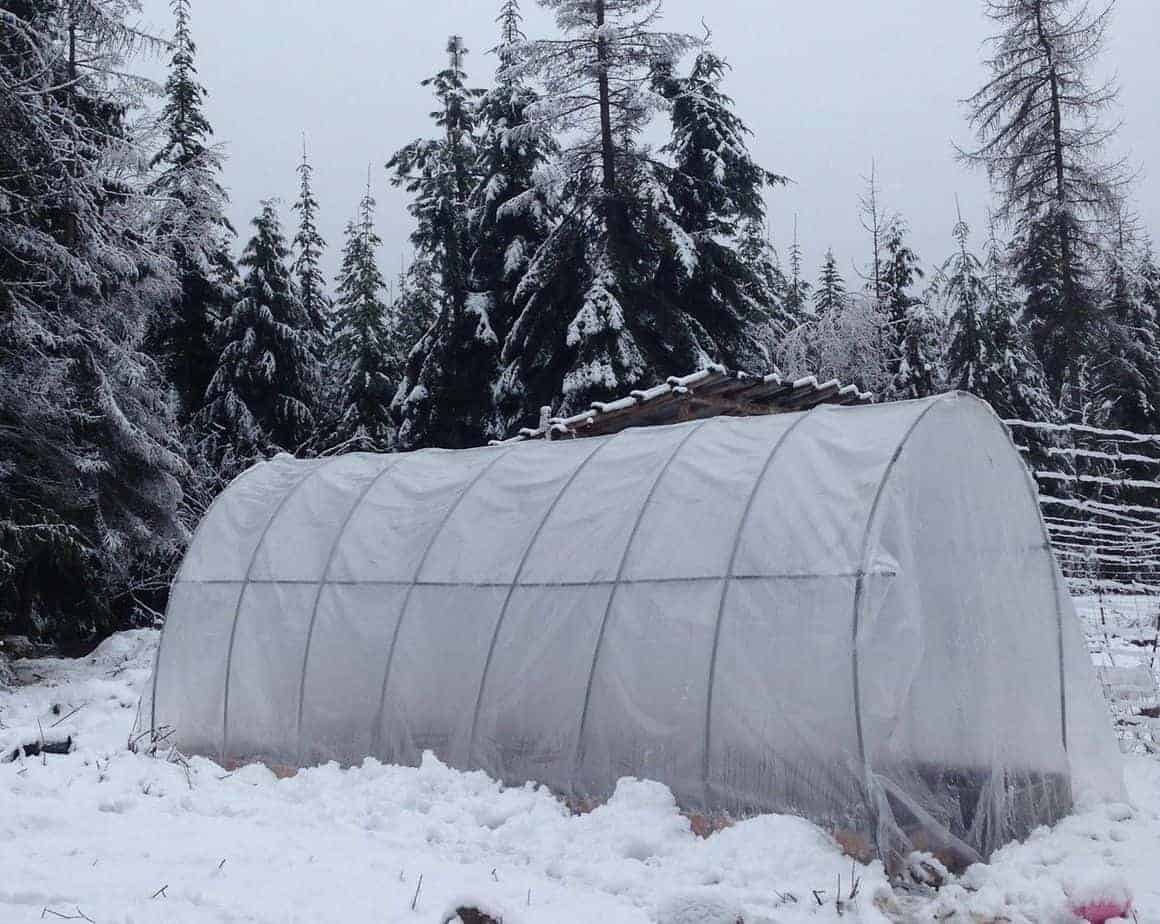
<point x="124" y="837"/>
<point x="699" y="907"/>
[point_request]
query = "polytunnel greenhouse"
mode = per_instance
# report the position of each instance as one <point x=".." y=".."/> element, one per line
<point x="850" y="614"/>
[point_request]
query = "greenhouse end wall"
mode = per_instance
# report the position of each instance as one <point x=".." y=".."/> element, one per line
<point x="849" y="614"/>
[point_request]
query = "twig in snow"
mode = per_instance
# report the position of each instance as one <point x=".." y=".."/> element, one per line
<point x="79" y="916"/>
<point x="493" y="875"/>
<point x="69" y="716"/>
<point x="855" y="879"/>
<point x="223" y="863"/>
<point x="529" y="898"/>
<point x="818" y="897"/>
<point x="418" y="889"/>
<point x="160" y="892"/>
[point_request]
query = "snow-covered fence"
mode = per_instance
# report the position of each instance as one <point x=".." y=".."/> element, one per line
<point x="1100" y="492"/>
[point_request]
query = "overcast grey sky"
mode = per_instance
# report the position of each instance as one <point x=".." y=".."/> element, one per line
<point x="825" y="85"/>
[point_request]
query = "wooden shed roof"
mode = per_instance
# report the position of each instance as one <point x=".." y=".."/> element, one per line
<point x="710" y="392"/>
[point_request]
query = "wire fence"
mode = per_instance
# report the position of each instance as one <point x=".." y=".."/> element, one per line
<point x="1100" y="494"/>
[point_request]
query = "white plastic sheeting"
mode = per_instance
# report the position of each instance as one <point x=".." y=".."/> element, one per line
<point x="848" y="614"/>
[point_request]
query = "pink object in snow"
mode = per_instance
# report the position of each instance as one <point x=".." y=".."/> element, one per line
<point x="1101" y="911"/>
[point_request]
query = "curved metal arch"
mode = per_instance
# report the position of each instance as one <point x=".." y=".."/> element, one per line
<point x="391" y="463"/>
<point x="859" y="584"/>
<point x="516" y="579"/>
<point x="578" y="750"/>
<point x="725" y="584"/>
<point x="292" y="492"/>
<point x="177" y="579"/>
<point x="378" y="719"/>
<point x="1052" y="565"/>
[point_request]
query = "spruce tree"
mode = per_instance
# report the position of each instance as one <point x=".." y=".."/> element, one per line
<point x="830" y="292"/>
<point x="308" y="247"/>
<point x="729" y="282"/>
<point x="438" y="175"/>
<point x="914" y="338"/>
<point x="89" y="470"/>
<point x="262" y="395"/>
<point x="446" y="398"/>
<point x="989" y="353"/>
<point x="361" y="348"/>
<point x="193" y="223"/>
<point x="412" y="314"/>
<point x="601" y="304"/>
<point x="797" y="295"/>
<point x="1128" y="373"/>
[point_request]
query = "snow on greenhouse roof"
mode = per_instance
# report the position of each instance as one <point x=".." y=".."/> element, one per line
<point x="710" y="392"/>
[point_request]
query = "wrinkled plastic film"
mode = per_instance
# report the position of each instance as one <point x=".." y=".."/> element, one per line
<point x="681" y="603"/>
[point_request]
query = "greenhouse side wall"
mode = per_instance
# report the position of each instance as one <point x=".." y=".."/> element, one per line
<point x="679" y="603"/>
<point x="961" y="697"/>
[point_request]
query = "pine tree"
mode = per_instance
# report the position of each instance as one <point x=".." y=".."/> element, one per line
<point x="362" y="339"/>
<point x="89" y="470"/>
<point x="446" y="398"/>
<point x="830" y="292"/>
<point x="192" y="220"/>
<point x="1037" y="120"/>
<point x="263" y="391"/>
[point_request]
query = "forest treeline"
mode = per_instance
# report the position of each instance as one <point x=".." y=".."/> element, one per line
<point x="558" y="259"/>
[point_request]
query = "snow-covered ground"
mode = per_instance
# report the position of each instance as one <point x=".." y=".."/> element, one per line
<point x="107" y="835"/>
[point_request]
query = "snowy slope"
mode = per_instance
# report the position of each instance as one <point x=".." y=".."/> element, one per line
<point x="120" y="837"/>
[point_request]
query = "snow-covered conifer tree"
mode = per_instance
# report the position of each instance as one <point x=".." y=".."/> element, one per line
<point x="262" y="395"/>
<point x="413" y="311"/>
<point x="830" y="292"/>
<point x="192" y="221"/>
<point x="598" y="316"/>
<point x="438" y="173"/>
<point x="797" y="292"/>
<point x="447" y="395"/>
<point x="1128" y="370"/>
<point x="361" y="347"/>
<point x="915" y="345"/>
<point x="308" y="247"/>
<point x="89" y="469"/>
<point x="989" y="354"/>
<point x="717" y="192"/>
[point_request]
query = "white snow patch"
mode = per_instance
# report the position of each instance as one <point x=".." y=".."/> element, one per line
<point x="123" y="837"/>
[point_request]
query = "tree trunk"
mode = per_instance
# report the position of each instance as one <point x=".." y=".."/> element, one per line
<point x="616" y="217"/>
<point x="607" y="151"/>
<point x="1068" y="319"/>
